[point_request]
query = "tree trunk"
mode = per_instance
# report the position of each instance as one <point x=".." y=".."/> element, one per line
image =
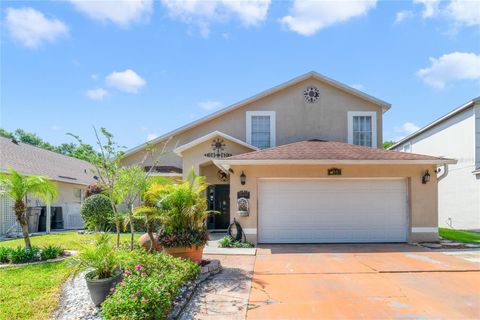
<point x="21" y="213"/>
<point x="152" y="238"/>
<point x="132" y="231"/>
<point x="118" y="234"/>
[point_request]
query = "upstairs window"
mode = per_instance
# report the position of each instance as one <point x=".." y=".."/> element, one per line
<point x="362" y="128"/>
<point x="261" y="129"/>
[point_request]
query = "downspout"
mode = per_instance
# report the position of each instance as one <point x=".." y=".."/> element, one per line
<point x="445" y="172"/>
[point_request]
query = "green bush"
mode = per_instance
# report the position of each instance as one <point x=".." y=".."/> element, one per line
<point x="5" y="254"/>
<point x="22" y="255"/>
<point x="50" y="252"/>
<point x="96" y="212"/>
<point x="228" y="242"/>
<point x="150" y="284"/>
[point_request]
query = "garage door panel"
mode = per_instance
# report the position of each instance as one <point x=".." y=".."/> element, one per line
<point x="332" y="211"/>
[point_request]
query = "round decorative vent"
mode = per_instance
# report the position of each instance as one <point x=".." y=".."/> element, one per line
<point x="311" y="94"/>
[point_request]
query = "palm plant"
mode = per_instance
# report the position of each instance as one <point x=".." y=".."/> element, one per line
<point x="150" y="215"/>
<point x="181" y="209"/>
<point x="18" y="186"/>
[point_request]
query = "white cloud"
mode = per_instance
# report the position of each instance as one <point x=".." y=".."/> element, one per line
<point x="210" y="105"/>
<point x="464" y="12"/>
<point x="55" y="127"/>
<point x="96" y="94"/>
<point x="403" y="15"/>
<point x="430" y="7"/>
<point x="358" y="86"/>
<point x="201" y="14"/>
<point x="404" y="130"/>
<point x="308" y="17"/>
<point x="451" y="67"/>
<point x="128" y="81"/>
<point x="31" y="28"/>
<point x="122" y="13"/>
<point x="152" y="136"/>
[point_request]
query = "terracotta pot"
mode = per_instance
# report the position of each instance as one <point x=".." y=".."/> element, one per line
<point x="145" y="242"/>
<point x="193" y="253"/>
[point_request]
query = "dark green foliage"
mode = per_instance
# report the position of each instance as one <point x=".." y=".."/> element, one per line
<point x="5" y="254"/>
<point x="96" y="212"/>
<point x="228" y="242"/>
<point x="150" y="284"/>
<point x="22" y="255"/>
<point x="183" y="238"/>
<point x="50" y="252"/>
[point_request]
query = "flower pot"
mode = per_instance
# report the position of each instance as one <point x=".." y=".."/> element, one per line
<point x="99" y="288"/>
<point x="193" y="253"/>
<point x="145" y="242"/>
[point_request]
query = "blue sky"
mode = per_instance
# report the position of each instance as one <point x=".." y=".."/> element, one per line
<point x="142" y="68"/>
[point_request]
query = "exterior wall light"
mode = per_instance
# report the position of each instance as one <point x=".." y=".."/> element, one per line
<point x="426" y="177"/>
<point x="243" y="178"/>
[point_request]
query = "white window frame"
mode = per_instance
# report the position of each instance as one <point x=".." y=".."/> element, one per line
<point x="372" y="114"/>
<point x="271" y="114"/>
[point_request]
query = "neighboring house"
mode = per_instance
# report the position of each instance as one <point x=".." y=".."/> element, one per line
<point x="301" y="162"/>
<point x="71" y="176"/>
<point x="455" y="135"/>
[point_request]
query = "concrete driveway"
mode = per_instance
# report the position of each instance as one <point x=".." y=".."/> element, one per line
<point x="373" y="281"/>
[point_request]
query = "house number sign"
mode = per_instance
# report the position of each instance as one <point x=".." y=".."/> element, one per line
<point x="334" y="172"/>
<point x="218" y="149"/>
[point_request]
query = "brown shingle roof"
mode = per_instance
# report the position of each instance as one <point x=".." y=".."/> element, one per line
<point x="328" y="150"/>
<point x="31" y="160"/>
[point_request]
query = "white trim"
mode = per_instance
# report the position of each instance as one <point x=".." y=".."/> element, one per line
<point x="371" y="114"/>
<point x="463" y="107"/>
<point x="250" y="230"/>
<point x="424" y="229"/>
<point x="209" y="136"/>
<point x="312" y="74"/>
<point x="271" y="114"/>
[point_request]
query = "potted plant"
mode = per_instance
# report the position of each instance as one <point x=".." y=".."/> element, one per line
<point x="182" y="211"/>
<point x="102" y="266"/>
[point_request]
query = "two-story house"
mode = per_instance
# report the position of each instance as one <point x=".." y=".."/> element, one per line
<point x="302" y="163"/>
<point x="455" y="135"/>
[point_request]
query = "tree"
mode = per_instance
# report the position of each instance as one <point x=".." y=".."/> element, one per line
<point x="388" y="144"/>
<point x="96" y="212"/>
<point x="18" y="186"/>
<point x="118" y="219"/>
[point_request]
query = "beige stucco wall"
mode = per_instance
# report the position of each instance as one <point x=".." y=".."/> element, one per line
<point x="422" y="200"/>
<point x="296" y="120"/>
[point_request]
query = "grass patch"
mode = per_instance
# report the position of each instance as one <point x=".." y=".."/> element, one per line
<point x="31" y="292"/>
<point x="460" y="235"/>
<point x="67" y="240"/>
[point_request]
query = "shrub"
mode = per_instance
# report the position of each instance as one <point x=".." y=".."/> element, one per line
<point x="22" y="255"/>
<point x="150" y="284"/>
<point x="102" y="259"/>
<point x="183" y="238"/>
<point x="228" y="242"/>
<point x="96" y="212"/>
<point x="5" y="254"/>
<point x="50" y="252"/>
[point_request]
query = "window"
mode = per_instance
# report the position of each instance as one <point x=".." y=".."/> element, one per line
<point x="362" y="128"/>
<point x="261" y="129"/>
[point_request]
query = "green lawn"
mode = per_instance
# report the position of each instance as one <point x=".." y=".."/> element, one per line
<point x="460" y="235"/>
<point x="68" y="240"/>
<point x="31" y="292"/>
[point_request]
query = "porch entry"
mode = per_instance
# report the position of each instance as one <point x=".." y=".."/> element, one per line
<point x="219" y="200"/>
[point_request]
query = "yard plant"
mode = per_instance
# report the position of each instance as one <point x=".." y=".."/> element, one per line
<point x="18" y="187"/>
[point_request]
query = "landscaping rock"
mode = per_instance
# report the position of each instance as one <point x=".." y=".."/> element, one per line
<point x="75" y="302"/>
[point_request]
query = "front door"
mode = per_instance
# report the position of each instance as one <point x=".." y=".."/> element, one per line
<point x="219" y="200"/>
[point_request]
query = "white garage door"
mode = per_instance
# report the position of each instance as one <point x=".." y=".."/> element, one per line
<point x="332" y="210"/>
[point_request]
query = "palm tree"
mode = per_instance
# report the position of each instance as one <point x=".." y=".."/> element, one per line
<point x="18" y="186"/>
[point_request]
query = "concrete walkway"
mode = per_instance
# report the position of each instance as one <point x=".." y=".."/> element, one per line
<point x="225" y="296"/>
<point x="374" y="281"/>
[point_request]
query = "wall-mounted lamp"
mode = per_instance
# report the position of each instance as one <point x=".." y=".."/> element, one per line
<point x="426" y="177"/>
<point x="243" y="178"/>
